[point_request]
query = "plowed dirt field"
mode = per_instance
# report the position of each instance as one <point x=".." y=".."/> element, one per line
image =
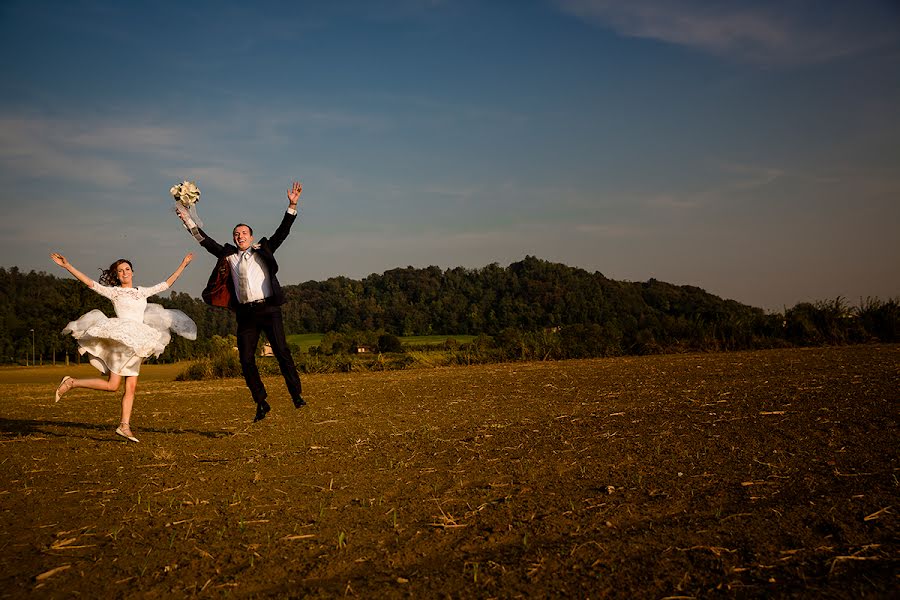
<point x="752" y="474"/>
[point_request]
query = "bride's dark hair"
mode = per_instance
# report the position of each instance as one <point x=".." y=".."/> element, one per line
<point x="110" y="277"/>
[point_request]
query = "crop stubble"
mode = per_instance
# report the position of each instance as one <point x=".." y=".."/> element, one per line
<point x="752" y="474"/>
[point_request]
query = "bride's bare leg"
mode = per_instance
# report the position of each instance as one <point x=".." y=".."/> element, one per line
<point x="128" y="403"/>
<point x="103" y="385"/>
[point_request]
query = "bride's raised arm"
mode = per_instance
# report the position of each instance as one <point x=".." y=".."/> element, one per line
<point x="184" y="262"/>
<point x="65" y="264"/>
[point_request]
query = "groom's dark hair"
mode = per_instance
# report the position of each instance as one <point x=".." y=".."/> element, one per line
<point x="241" y="225"/>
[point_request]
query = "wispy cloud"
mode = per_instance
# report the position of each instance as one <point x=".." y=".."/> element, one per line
<point x="119" y="137"/>
<point x="220" y="178"/>
<point x="674" y="202"/>
<point x="65" y="150"/>
<point x="738" y="179"/>
<point x="769" y="32"/>
<point x="747" y="177"/>
<point x="610" y="231"/>
<point x="388" y="10"/>
<point x="453" y="193"/>
<point x="34" y="149"/>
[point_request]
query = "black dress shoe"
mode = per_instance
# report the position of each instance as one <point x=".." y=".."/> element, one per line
<point x="262" y="409"/>
<point x="298" y="402"/>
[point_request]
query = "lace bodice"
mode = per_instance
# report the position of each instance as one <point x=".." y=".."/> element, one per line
<point x="129" y="303"/>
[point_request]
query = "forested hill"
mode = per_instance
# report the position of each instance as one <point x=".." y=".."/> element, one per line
<point x="528" y="296"/>
<point x="531" y="294"/>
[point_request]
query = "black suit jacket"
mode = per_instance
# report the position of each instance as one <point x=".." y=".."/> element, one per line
<point x="265" y="248"/>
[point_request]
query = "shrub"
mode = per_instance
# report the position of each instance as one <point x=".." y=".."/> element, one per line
<point x="880" y="320"/>
<point x="389" y="343"/>
<point x="222" y="362"/>
<point x="198" y="370"/>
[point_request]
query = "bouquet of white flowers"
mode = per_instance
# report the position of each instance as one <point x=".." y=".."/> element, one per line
<point x="186" y="195"/>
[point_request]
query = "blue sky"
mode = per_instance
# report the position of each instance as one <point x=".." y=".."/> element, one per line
<point x="749" y="148"/>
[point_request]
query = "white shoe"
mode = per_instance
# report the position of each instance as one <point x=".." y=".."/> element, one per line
<point x="122" y="428"/>
<point x="59" y="389"/>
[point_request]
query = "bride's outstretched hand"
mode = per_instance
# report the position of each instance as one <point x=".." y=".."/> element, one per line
<point x="59" y="259"/>
<point x="65" y="264"/>
<point x="184" y="263"/>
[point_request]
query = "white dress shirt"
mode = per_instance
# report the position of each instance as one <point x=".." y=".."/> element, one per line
<point x="250" y="276"/>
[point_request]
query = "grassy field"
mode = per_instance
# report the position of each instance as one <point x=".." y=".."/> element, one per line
<point x="51" y="375"/>
<point x="750" y="474"/>
<point x="419" y="340"/>
<point x="306" y="340"/>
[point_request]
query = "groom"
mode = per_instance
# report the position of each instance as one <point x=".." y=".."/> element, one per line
<point x="244" y="280"/>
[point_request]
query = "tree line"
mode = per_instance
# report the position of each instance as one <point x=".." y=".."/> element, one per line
<point x="532" y="301"/>
<point x="45" y="304"/>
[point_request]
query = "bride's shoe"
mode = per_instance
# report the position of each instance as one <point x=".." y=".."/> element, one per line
<point x="64" y="386"/>
<point x="125" y="431"/>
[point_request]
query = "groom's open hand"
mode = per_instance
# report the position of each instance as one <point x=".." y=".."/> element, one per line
<point x="294" y="192"/>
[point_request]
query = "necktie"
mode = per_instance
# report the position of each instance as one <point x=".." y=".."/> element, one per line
<point x="244" y="275"/>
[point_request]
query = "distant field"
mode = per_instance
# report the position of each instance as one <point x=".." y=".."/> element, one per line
<point x="416" y="340"/>
<point x="306" y="340"/>
<point x="50" y="375"/>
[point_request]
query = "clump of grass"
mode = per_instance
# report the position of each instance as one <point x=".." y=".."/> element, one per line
<point x="220" y="364"/>
<point x="430" y="359"/>
<point x="163" y="454"/>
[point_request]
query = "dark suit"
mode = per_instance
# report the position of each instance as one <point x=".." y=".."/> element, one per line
<point x="252" y="319"/>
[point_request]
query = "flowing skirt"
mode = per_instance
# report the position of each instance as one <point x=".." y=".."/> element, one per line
<point x="120" y="345"/>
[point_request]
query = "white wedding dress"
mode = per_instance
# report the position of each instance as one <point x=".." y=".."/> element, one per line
<point x="138" y="330"/>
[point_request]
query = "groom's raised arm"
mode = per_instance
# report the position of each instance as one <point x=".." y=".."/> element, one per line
<point x="211" y="245"/>
<point x="284" y="228"/>
<point x="189" y="224"/>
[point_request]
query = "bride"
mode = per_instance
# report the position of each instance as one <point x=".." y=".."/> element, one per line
<point x="117" y="346"/>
